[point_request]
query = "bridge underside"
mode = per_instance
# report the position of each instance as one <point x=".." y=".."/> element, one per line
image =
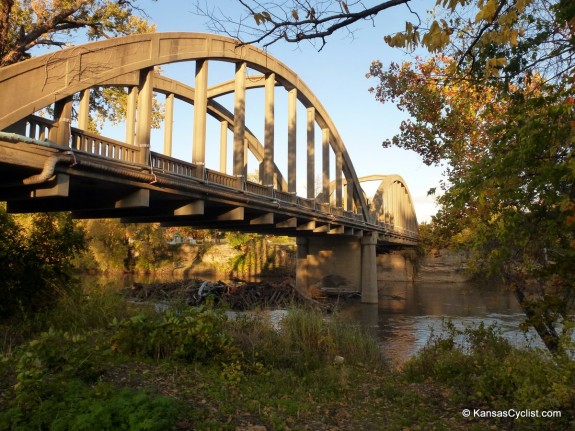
<point x="44" y="179"/>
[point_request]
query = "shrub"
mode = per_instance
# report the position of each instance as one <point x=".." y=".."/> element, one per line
<point x="497" y="376"/>
<point x="36" y="252"/>
<point x="73" y="405"/>
<point x="193" y="334"/>
<point x="52" y="356"/>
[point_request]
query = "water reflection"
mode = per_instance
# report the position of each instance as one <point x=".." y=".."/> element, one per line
<point x="408" y="313"/>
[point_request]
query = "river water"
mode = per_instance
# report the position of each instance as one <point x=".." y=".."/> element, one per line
<point x="409" y="312"/>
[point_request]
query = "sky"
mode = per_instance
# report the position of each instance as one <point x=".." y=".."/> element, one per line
<point x="336" y="75"/>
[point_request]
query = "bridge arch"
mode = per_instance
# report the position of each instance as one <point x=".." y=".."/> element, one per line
<point x="31" y="85"/>
<point x="391" y="204"/>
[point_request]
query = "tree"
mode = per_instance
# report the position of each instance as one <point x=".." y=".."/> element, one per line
<point x="28" y="24"/>
<point x="292" y="21"/>
<point x="502" y="116"/>
<point x="25" y="24"/>
<point x="507" y="40"/>
<point x="36" y="253"/>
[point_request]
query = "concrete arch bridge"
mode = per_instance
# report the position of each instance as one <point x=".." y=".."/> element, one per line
<point x="56" y="163"/>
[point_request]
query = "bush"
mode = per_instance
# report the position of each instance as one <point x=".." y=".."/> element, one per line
<point x="193" y="334"/>
<point x="73" y="405"/>
<point x="51" y="357"/>
<point x="35" y="260"/>
<point x="497" y="376"/>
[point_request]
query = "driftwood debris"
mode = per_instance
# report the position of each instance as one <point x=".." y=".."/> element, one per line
<point x="236" y="295"/>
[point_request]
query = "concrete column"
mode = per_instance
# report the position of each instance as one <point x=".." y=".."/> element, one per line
<point x="268" y="179"/>
<point x="369" y="269"/>
<point x="169" y="125"/>
<point x="240" y="120"/>
<point x="325" y="137"/>
<point x="84" y="110"/>
<point x="131" y="115"/>
<point x="223" y="146"/>
<point x="311" y="153"/>
<point x="349" y="195"/>
<point x="323" y="259"/>
<point x="144" y="124"/>
<point x="338" y="179"/>
<point x="292" y="140"/>
<point x="200" y="112"/>
<point x="301" y="272"/>
<point x="63" y="117"/>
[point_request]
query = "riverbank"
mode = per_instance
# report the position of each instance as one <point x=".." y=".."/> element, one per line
<point x="99" y="361"/>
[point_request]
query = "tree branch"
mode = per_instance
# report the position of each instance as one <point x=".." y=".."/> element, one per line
<point x="315" y="25"/>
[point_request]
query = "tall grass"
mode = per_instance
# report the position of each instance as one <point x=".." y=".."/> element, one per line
<point x="305" y="340"/>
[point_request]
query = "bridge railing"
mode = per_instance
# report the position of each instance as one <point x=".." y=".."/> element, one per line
<point x="41" y="129"/>
<point x="286" y="197"/>
<point x="171" y="165"/>
<point x="105" y="147"/>
<point x="222" y="179"/>
<point x="259" y="189"/>
<point x="38" y="128"/>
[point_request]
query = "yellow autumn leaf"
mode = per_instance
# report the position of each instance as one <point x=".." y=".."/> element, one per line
<point x="487" y="12"/>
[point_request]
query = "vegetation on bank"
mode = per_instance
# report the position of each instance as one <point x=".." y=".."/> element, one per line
<point x="96" y="361"/>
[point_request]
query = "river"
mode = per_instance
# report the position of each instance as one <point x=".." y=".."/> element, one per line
<point x="408" y="313"/>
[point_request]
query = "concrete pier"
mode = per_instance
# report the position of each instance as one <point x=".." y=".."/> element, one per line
<point x="348" y="261"/>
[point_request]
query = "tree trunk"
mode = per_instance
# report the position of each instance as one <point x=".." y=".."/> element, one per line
<point x="546" y="331"/>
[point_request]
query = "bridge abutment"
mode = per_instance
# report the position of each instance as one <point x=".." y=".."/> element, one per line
<point x="338" y="262"/>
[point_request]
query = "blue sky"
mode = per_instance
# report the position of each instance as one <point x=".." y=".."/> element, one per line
<point x="336" y="75"/>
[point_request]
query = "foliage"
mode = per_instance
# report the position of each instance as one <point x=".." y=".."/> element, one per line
<point x="108" y="246"/>
<point x="116" y="246"/>
<point x="501" y="89"/>
<point x="74" y="405"/>
<point x="239" y="240"/>
<point x="36" y="253"/>
<point x="25" y="24"/>
<point x="304" y="341"/>
<point x="449" y="119"/>
<point x="194" y="334"/>
<point x="52" y="356"/>
<point x="510" y="39"/>
<point x="497" y="376"/>
<point x="70" y="380"/>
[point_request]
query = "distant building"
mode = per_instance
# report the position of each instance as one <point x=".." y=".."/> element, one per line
<point x="178" y="238"/>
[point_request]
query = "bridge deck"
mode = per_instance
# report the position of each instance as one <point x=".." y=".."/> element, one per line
<point x="172" y="192"/>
